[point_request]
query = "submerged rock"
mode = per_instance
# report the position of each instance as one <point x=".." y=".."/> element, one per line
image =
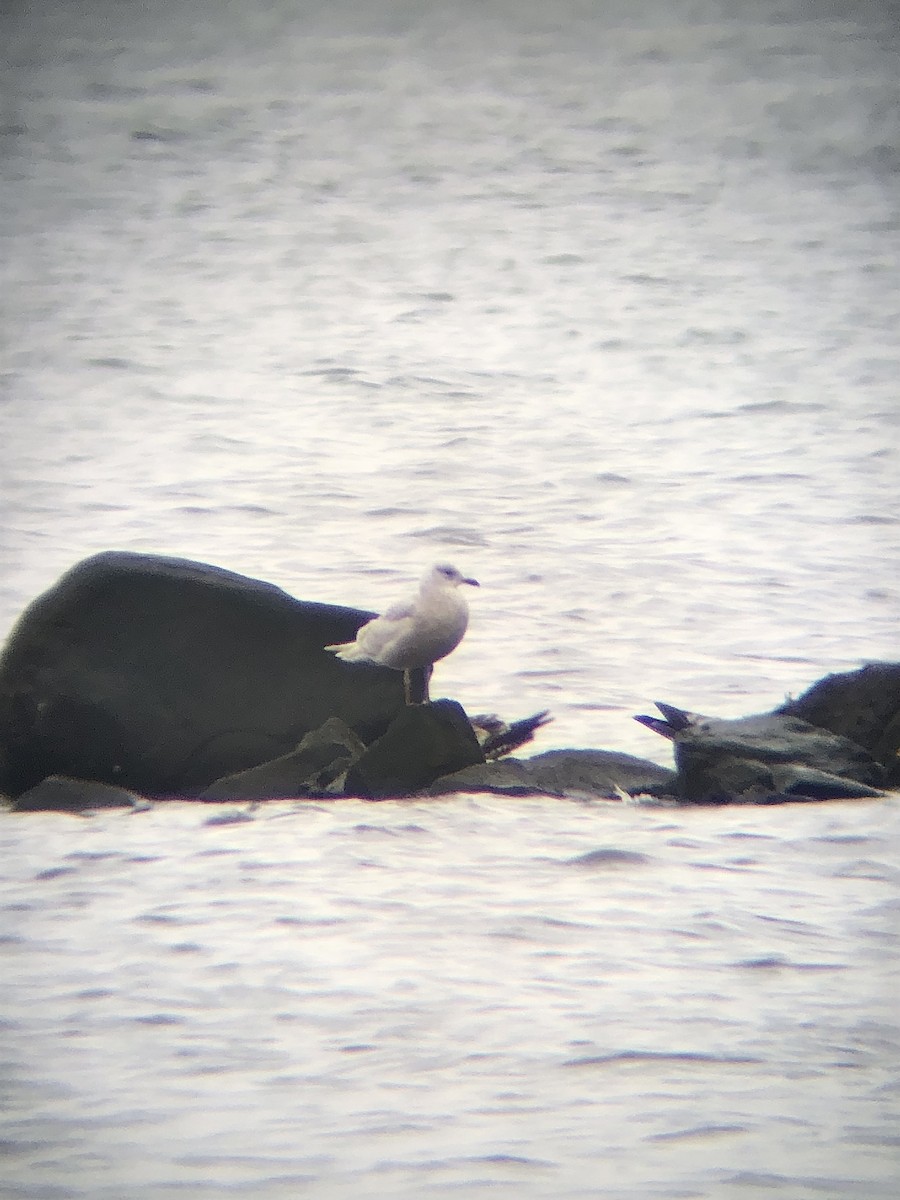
<point x="163" y="675"/>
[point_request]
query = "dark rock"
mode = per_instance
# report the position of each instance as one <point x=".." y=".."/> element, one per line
<point x="862" y="705"/>
<point x="422" y="743"/>
<point x="502" y="777"/>
<point x="163" y="675"/>
<point x="58" y="793"/>
<point x="806" y="783"/>
<point x="312" y="769"/>
<point x="730" y="780"/>
<point x="603" y="774"/>
<point x="718" y="760"/>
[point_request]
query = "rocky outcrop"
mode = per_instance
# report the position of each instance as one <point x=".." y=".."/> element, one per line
<point x="762" y="759"/>
<point x="422" y="743"/>
<point x="143" y="675"/>
<point x="162" y="675"/>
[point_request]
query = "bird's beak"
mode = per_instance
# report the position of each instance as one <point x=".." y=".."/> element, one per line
<point x="473" y="582"/>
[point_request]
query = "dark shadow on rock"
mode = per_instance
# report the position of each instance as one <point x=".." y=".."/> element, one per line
<point x="163" y="675"/>
<point x="58" y="793"/>
<point x="313" y="769"/>
<point x="422" y="743"/>
<point x="732" y="780"/>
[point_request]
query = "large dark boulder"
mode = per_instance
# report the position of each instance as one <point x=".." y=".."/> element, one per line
<point x="162" y="675"/>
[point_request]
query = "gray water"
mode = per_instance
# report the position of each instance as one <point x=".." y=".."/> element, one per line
<point x="599" y="301"/>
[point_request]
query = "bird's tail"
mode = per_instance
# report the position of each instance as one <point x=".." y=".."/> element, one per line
<point x="348" y="651"/>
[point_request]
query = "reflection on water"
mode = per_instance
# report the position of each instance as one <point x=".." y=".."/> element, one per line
<point x="599" y="302"/>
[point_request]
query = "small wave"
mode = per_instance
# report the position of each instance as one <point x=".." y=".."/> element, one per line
<point x="700" y="1131"/>
<point x="778" y="962"/>
<point x="157" y="135"/>
<point x="450" y="535"/>
<point x="230" y="817"/>
<point x="867" y="869"/>
<point x="662" y="1056"/>
<point x="54" y="873"/>
<point x="609" y="856"/>
<point x="331" y="372"/>
<point x="870" y="519"/>
<point x="113" y="363"/>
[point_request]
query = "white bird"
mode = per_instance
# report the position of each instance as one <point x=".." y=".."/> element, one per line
<point x="415" y="634"/>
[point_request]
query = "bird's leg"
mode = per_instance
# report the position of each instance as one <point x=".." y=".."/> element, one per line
<point x="415" y="685"/>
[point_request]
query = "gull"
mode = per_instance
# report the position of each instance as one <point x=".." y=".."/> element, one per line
<point x="415" y="634"/>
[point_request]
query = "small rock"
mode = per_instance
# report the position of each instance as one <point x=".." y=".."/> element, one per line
<point x="59" y="793"/>
<point x="503" y="777"/>
<point x="602" y="774"/>
<point x="421" y="744"/>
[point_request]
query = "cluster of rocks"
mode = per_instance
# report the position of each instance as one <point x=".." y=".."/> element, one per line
<point x="143" y="676"/>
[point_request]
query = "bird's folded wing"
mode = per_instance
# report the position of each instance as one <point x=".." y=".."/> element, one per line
<point x="379" y="635"/>
<point x="398" y="611"/>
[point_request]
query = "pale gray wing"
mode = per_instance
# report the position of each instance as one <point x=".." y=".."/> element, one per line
<point x="379" y="637"/>
<point x="403" y="608"/>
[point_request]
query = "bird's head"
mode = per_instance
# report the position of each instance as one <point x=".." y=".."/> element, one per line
<point x="445" y="575"/>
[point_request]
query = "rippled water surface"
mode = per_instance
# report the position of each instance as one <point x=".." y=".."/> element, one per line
<point x="599" y="301"/>
<point x="472" y="996"/>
